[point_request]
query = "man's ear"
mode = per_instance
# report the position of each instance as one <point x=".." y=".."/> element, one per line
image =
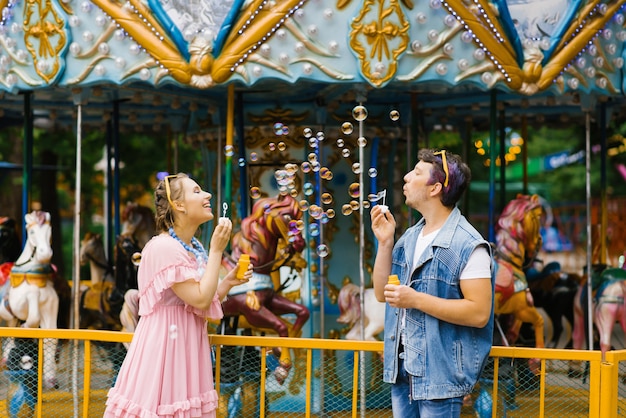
<point x="435" y="189"/>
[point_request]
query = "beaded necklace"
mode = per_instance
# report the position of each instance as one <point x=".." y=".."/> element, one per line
<point x="197" y="250"/>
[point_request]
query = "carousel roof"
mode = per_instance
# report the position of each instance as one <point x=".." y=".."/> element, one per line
<point x="307" y="61"/>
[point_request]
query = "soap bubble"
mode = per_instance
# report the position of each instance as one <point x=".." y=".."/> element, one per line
<point x="366" y="204"/>
<point x="313" y="142"/>
<point x="254" y="156"/>
<point x="345" y="152"/>
<point x="304" y="205"/>
<point x="300" y="225"/>
<point x="354" y="205"/>
<point x="242" y="162"/>
<point x="278" y="128"/>
<point x="308" y="189"/>
<point x="255" y="192"/>
<point x="312" y="157"/>
<point x="362" y="141"/>
<point x="322" y="250"/>
<point x="315" y="211"/>
<point x="330" y="213"/>
<point x="320" y="136"/>
<point x="282" y="146"/>
<point x="308" y="132"/>
<point x="271" y="146"/>
<point x="347" y="128"/>
<point x="340" y="143"/>
<point x="346" y="209"/>
<point x="372" y="172"/>
<point x="359" y="113"/>
<point x="314" y="230"/>
<point x="394" y="115"/>
<point x="354" y="190"/>
<point x="305" y="167"/>
<point x="356" y="168"/>
<point x="229" y="150"/>
<point x="326" y="174"/>
<point x="327" y="198"/>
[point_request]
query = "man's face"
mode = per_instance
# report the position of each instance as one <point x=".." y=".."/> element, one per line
<point x="416" y="188"/>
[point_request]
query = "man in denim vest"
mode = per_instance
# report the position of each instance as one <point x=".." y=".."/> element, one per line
<point x="439" y="320"/>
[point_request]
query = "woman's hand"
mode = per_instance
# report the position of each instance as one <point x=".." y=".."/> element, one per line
<point x="221" y="235"/>
<point x="231" y="280"/>
<point x="231" y="277"/>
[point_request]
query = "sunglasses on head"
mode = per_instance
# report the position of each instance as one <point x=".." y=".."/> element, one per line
<point x="444" y="163"/>
<point x="168" y="191"/>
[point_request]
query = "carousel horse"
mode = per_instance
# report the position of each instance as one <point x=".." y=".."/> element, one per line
<point x="32" y="298"/>
<point x="349" y="302"/>
<point x="138" y="228"/>
<point x="10" y="248"/>
<point x="271" y="238"/>
<point x="608" y="306"/>
<point x="554" y="290"/>
<point x="10" y="245"/>
<point x="517" y="240"/>
<point x="95" y="309"/>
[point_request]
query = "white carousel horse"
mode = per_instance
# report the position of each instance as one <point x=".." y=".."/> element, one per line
<point x="349" y="301"/>
<point x="32" y="298"/>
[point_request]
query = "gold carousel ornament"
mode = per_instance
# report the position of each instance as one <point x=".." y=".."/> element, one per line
<point x="527" y="69"/>
<point x="45" y="37"/>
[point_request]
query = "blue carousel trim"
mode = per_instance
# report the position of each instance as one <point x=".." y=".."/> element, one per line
<point x="257" y="282"/>
<point x="231" y="17"/>
<point x="33" y="269"/>
<point x="565" y="24"/>
<point x="509" y="29"/>
<point x="172" y="29"/>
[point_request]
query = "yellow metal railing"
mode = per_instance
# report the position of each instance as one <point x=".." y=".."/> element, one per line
<point x="603" y="376"/>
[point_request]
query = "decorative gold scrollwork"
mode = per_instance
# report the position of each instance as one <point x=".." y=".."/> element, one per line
<point x="379" y="36"/>
<point x="44" y="36"/>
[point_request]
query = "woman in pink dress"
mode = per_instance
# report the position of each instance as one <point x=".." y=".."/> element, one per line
<point x="167" y="371"/>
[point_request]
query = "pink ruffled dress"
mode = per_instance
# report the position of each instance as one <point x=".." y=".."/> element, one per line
<point x="167" y="371"/>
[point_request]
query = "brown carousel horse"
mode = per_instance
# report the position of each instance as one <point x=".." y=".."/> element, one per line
<point x="517" y="241"/>
<point x="138" y="228"/>
<point x="271" y="237"/>
<point x="10" y="245"/>
<point x="95" y="309"/>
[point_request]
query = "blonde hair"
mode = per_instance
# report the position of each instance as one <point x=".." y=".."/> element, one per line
<point x="164" y="217"/>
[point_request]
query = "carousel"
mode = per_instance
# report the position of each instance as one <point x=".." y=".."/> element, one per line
<point x="306" y="110"/>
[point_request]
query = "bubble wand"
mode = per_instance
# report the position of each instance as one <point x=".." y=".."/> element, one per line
<point x="381" y="195"/>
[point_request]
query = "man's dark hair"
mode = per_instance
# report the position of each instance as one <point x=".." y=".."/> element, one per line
<point x="459" y="174"/>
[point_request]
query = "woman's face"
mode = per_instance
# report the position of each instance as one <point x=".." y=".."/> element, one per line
<point x="197" y="202"/>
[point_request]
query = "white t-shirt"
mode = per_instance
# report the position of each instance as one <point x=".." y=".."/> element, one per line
<point x="478" y="266"/>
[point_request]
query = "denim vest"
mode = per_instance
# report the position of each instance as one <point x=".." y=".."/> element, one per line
<point x="444" y="360"/>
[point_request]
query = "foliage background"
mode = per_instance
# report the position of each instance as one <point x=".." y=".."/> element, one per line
<point x="144" y="154"/>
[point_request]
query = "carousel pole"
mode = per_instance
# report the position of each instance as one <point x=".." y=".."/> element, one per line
<point x="243" y="165"/>
<point x="493" y="121"/>
<point x="228" y="160"/>
<point x="109" y="238"/>
<point x="117" y="226"/>
<point x="525" y="154"/>
<point x="362" y="372"/>
<point x="589" y="243"/>
<point x="603" y="198"/>
<point x="502" y="154"/>
<point x="76" y="245"/>
<point x="27" y="169"/>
